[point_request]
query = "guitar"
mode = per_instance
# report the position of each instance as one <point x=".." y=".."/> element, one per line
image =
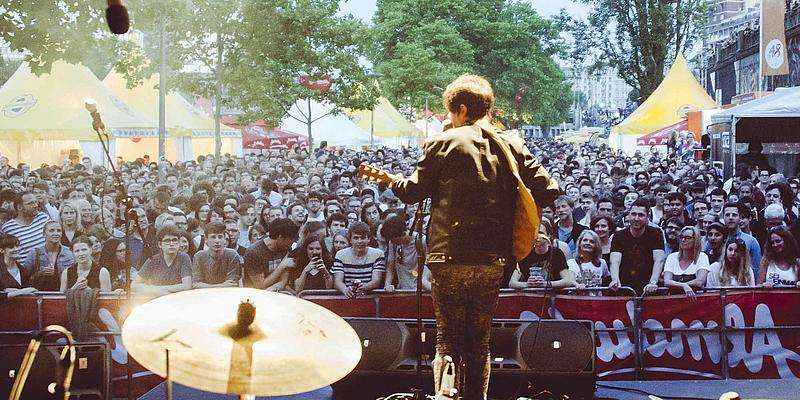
<point x="374" y="174"/>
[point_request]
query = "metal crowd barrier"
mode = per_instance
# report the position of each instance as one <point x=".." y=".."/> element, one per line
<point x="636" y="330"/>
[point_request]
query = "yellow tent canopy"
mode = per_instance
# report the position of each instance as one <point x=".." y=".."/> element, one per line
<point x="47" y="113"/>
<point x="388" y="122"/>
<point x="678" y="94"/>
<point x="51" y="106"/>
<point x="183" y="120"/>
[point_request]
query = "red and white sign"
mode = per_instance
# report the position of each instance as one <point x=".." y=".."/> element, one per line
<point x="756" y="347"/>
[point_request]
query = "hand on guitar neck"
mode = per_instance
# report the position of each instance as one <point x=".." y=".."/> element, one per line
<point x="375" y="174"/>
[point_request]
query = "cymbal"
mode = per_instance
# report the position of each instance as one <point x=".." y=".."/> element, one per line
<point x="293" y="345"/>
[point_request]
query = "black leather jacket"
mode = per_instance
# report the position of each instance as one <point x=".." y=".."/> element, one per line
<point x="473" y="194"/>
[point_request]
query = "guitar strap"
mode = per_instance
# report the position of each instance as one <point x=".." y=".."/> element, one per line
<point x="526" y="212"/>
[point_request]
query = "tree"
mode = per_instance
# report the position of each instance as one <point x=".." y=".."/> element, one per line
<point x="644" y="36"/>
<point x="251" y="52"/>
<point x="422" y="45"/>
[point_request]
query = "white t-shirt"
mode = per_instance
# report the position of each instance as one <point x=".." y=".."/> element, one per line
<point x="781" y="277"/>
<point x="672" y="265"/>
<point x="713" y="279"/>
<point x="598" y="272"/>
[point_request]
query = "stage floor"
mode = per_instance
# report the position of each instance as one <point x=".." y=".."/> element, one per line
<point x="777" y="389"/>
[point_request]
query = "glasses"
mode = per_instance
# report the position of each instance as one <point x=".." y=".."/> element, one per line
<point x="170" y="241"/>
<point x="399" y="254"/>
<point x="685" y="237"/>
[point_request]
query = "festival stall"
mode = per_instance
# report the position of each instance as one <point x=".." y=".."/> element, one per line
<point x="259" y="136"/>
<point x="386" y="122"/>
<point x="661" y="136"/>
<point x="190" y="132"/>
<point x="332" y="127"/>
<point x="677" y="95"/>
<point x="773" y="121"/>
<point x="43" y="118"/>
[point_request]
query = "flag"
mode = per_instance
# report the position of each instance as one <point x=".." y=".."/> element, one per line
<point x="774" y="60"/>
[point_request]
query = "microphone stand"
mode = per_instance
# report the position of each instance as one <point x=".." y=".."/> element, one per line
<point x="65" y="365"/>
<point x="419" y="217"/>
<point x="127" y="202"/>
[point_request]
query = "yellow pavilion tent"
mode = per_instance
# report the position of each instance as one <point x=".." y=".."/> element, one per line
<point x="189" y="130"/>
<point x="43" y="118"/>
<point x="678" y="94"/>
<point x="388" y="124"/>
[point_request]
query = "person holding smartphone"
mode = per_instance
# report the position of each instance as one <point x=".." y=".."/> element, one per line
<point x="544" y="267"/>
<point x="311" y="264"/>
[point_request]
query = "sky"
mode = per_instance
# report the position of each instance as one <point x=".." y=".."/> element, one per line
<point x="364" y="9"/>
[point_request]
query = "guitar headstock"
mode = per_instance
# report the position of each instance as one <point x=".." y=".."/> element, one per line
<point x="373" y="174"/>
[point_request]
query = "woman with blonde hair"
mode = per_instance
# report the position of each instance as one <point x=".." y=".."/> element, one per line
<point x="687" y="268"/>
<point x="70" y="222"/>
<point x="733" y="267"/>
<point x="588" y="266"/>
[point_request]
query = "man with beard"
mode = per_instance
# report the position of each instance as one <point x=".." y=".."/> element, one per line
<point x="28" y="226"/>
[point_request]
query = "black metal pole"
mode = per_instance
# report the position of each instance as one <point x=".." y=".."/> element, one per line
<point x="417" y="228"/>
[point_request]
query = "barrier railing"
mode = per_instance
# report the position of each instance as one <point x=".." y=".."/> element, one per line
<point x="742" y="332"/>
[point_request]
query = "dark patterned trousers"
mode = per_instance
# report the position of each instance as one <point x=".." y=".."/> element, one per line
<point x="464" y="300"/>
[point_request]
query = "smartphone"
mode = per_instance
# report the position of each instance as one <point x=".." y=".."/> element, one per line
<point x="536" y="271"/>
<point x="315" y="260"/>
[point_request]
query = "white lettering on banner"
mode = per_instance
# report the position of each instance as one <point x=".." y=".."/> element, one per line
<point x="765" y="343"/>
<point x="607" y="348"/>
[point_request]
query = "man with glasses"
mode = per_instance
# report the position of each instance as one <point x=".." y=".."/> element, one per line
<point x="167" y="272"/>
<point x="218" y="266"/>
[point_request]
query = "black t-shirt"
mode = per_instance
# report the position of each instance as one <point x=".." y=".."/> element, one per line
<point x="553" y="262"/>
<point x="637" y="255"/>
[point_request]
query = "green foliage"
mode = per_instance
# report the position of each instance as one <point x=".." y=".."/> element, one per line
<point x="422" y="45"/>
<point x="256" y="49"/>
<point x="646" y="35"/>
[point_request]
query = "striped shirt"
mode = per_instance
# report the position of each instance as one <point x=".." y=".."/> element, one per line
<point x="360" y="268"/>
<point x="30" y="236"/>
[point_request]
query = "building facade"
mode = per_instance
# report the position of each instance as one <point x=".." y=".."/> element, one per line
<point x="733" y="66"/>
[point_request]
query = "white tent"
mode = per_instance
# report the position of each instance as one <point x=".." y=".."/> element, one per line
<point x="337" y="129"/>
<point x="784" y="103"/>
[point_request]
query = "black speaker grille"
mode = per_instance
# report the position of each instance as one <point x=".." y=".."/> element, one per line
<point x="560" y="347"/>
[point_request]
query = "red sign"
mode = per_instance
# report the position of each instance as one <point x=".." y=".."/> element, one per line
<point x="259" y="137"/>
<point x="681" y="339"/>
<point x="661" y="136"/>
<point x="322" y="83"/>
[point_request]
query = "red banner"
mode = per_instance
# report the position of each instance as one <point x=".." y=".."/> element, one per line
<point x="681" y="339"/>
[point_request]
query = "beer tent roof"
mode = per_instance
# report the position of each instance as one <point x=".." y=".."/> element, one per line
<point x="678" y="94"/>
<point x="388" y="122"/>
<point x="182" y="118"/>
<point x="51" y="106"/>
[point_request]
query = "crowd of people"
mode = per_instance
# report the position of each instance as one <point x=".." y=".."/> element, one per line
<point x="294" y="220"/>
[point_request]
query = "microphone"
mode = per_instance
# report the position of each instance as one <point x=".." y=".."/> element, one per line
<point x="97" y="122"/>
<point x="117" y="17"/>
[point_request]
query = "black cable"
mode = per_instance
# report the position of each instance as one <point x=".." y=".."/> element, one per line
<point x="646" y="393"/>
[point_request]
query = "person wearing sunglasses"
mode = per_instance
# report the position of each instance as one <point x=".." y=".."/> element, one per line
<point x="167" y="272"/>
<point x="686" y="269"/>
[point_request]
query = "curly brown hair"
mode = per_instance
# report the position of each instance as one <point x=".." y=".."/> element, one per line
<point x="474" y="92"/>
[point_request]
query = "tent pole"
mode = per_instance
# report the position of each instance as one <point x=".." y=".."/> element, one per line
<point x="162" y="99"/>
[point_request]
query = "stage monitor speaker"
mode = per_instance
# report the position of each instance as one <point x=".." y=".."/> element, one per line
<point x="90" y="379"/>
<point x="560" y="347"/>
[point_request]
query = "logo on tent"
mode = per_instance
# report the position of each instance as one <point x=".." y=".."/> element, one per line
<point x="19" y="106"/>
<point x="685" y="109"/>
<point x="121" y="105"/>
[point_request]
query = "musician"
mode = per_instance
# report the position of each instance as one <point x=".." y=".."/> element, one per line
<point x="473" y="194"/>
